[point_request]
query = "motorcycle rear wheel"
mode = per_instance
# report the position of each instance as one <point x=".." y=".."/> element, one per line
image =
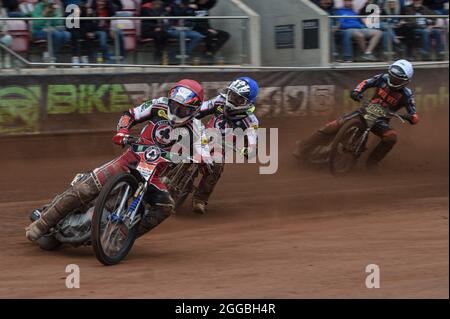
<point x="180" y="188"/>
<point x="343" y="155"/>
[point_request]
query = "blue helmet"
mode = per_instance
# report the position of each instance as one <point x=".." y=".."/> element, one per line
<point x="240" y="97"/>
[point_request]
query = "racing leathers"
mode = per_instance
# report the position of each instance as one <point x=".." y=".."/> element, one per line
<point x="387" y="97"/>
<point x="157" y="131"/>
<point x="247" y="122"/>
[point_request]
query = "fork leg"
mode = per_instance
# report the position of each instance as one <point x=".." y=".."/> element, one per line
<point x="162" y="206"/>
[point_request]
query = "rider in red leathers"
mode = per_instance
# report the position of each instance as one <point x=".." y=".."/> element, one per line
<point x="166" y="120"/>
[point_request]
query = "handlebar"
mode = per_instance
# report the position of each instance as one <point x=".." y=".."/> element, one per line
<point x="366" y="103"/>
<point x="133" y="140"/>
<point x="130" y="140"/>
<point x="395" y="114"/>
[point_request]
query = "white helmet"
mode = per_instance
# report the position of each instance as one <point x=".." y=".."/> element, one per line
<point x="400" y="74"/>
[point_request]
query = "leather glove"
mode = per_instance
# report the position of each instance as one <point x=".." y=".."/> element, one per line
<point x="356" y="96"/>
<point x="411" y="119"/>
<point x="121" y="137"/>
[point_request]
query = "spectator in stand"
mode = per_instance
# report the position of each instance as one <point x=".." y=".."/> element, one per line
<point x="41" y="28"/>
<point x="77" y="36"/>
<point x="107" y="8"/>
<point x="5" y="38"/>
<point x="68" y="2"/>
<point x="95" y="31"/>
<point x="26" y="8"/>
<point x="215" y="39"/>
<point x="12" y="8"/>
<point x="426" y="28"/>
<point x="326" y="5"/>
<point x="155" y="29"/>
<point x="182" y="8"/>
<point x="438" y="6"/>
<point x="84" y="36"/>
<point x="388" y="26"/>
<point x="354" y="28"/>
<point x="396" y="33"/>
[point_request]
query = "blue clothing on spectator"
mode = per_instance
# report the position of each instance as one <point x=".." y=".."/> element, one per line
<point x="435" y="4"/>
<point x="67" y="2"/>
<point x="349" y="23"/>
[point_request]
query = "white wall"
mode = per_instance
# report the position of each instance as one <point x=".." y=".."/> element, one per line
<point x="285" y="12"/>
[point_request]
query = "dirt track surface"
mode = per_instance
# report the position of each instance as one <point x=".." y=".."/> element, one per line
<point x="297" y="234"/>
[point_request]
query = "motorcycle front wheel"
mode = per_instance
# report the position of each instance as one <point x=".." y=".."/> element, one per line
<point x="343" y="153"/>
<point x="111" y="238"/>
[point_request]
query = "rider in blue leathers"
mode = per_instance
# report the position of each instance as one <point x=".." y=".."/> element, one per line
<point x="232" y="109"/>
<point x="391" y="93"/>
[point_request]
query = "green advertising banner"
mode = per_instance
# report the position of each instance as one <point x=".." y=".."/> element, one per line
<point x="19" y="109"/>
<point x="49" y="103"/>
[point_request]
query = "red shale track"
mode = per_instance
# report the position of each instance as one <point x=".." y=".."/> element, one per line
<point x="296" y="234"/>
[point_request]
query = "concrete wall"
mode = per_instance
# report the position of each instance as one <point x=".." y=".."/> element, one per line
<point x="243" y="46"/>
<point x="285" y="12"/>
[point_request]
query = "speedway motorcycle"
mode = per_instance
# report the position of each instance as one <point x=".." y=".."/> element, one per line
<point x="119" y="207"/>
<point x="180" y="181"/>
<point x="180" y="178"/>
<point x="350" y="142"/>
<point x="110" y="222"/>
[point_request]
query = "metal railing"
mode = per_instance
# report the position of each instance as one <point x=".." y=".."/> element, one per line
<point x="388" y="27"/>
<point x="243" y="32"/>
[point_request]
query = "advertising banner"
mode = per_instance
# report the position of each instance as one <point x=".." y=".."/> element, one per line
<point x="58" y="103"/>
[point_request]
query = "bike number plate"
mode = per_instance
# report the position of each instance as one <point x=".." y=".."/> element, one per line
<point x="376" y="110"/>
<point x="146" y="170"/>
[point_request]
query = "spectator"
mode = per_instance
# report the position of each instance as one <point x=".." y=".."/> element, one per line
<point x="438" y="6"/>
<point x="107" y="8"/>
<point x="84" y="36"/>
<point x="65" y="3"/>
<point x="5" y="38"/>
<point x="26" y="8"/>
<point x="394" y="29"/>
<point x="12" y="8"/>
<point x="77" y="35"/>
<point x="183" y="8"/>
<point x="365" y="9"/>
<point x="155" y="29"/>
<point x="355" y="28"/>
<point x="326" y="5"/>
<point x="425" y="28"/>
<point x="41" y="28"/>
<point x="215" y="39"/>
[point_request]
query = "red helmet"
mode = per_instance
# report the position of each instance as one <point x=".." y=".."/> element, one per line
<point x="185" y="99"/>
